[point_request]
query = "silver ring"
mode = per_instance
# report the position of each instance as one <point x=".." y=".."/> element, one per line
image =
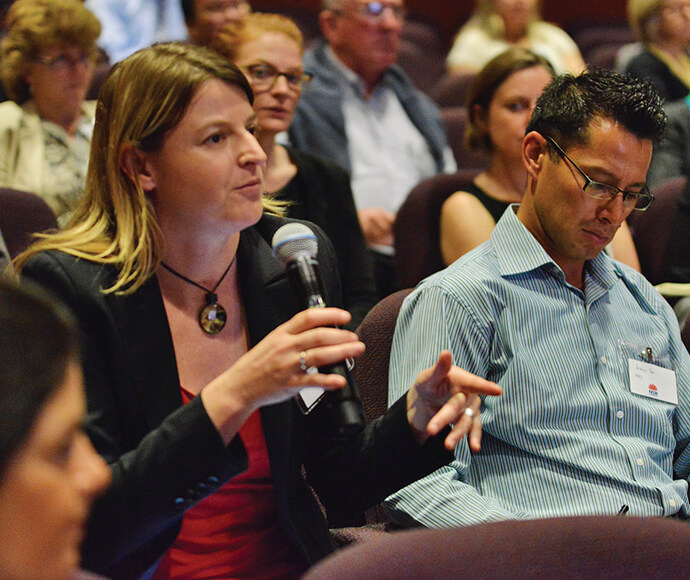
<point x="303" y="361"/>
<point x="469" y="412"/>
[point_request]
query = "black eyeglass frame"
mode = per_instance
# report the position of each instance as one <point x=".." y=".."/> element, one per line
<point x="297" y="82"/>
<point x="608" y="191"/>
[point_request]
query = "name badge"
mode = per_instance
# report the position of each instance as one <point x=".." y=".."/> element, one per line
<point x="653" y="381"/>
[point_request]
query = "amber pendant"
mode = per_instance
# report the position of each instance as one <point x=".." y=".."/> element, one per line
<point x="212" y="318"/>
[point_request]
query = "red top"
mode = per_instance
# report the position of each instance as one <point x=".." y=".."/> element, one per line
<point x="234" y="532"/>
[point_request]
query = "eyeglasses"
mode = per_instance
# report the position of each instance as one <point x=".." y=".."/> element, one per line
<point x="639" y="200"/>
<point x="264" y="77"/>
<point x="375" y="11"/>
<point x="63" y="62"/>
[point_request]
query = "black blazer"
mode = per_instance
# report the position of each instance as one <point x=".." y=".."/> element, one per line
<point x="647" y="66"/>
<point x="166" y="457"/>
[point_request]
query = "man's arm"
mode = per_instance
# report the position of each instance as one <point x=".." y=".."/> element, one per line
<point x="433" y="319"/>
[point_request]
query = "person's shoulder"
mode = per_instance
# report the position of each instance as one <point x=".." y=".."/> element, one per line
<point x="310" y="162"/>
<point x="11" y="114"/>
<point x="88" y="108"/>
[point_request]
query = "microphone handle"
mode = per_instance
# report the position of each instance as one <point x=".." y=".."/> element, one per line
<point x="344" y="404"/>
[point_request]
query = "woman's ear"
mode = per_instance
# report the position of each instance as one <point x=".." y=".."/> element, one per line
<point x="134" y="163"/>
<point x="478" y="117"/>
<point x="534" y="153"/>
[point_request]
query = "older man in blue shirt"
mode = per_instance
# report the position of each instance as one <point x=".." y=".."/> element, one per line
<point x="595" y="415"/>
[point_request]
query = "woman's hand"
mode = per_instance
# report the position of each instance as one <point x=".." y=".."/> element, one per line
<point x="445" y="394"/>
<point x="274" y="369"/>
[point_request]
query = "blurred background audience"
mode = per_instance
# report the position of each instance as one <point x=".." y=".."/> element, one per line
<point x="268" y="49"/>
<point x="47" y="62"/>
<point x="498" y="24"/>
<point x="204" y="18"/>
<point x="663" y="28"/>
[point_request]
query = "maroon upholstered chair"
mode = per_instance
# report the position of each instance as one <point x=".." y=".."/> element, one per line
<point x="596" y="548"/>
<point x="455" y="122"/>
<point x="371" y="374"/>
<point x="417" y="226"/>
<point x="651" y="229"/>
<point x="451" y="89"/>
<point x="371" y="369"/>
<point x="23" y="214"/>
<point x="421" y="55"/>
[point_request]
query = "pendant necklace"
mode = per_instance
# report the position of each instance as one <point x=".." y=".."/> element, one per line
<point x="212" y="316"/>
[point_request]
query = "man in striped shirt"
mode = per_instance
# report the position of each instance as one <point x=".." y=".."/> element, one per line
<point x="595" y="414"/>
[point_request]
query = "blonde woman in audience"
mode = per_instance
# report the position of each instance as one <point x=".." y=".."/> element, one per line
<point x="498" y="24"/>
<point x="194" y="348"/>
<point x="49" y="472"/>
<point x="268" y="49"/>
<point x="500" y="103"/>
<point x="47" y="62"/>
<point x="663" y="27"/>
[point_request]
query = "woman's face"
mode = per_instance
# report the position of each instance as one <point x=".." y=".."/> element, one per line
<point x="209" y="171"/>
<point x="59" y="79"/>
<point x="48" y="488"/>
<point x="272" y="53"/>
<point x="515" y="13"/>
<point x="510" y="110"/>
<point x="674" y="22"/>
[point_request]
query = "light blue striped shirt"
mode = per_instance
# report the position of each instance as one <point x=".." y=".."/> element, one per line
<point x="567" y="437"/>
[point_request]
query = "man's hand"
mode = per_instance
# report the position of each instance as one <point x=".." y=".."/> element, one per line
<point x="445" y="394"/>
<point x="377" y="226"/>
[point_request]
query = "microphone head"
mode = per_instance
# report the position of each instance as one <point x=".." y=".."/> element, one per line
<point x="294" y="240"/>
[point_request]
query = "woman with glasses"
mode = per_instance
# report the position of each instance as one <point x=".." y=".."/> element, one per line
<point x="499" y="24"/>
<point x="499" y="104"/>
<point x="268" y="49"/>
<point x="47" y="62"/>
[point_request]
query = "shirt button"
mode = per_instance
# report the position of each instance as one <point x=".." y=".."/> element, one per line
<point x="620" y="414"/>
<point x="604" y="360"/>
<point x="640" y="461"/>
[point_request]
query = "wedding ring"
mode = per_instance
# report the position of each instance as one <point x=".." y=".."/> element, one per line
<point x="303" y="361"/>
<point x="469" y="412"/>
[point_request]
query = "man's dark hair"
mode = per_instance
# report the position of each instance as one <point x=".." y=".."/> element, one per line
<point x="38" y="338"/>
<point x="188" y="9"/>
<point x="569" y="104"/>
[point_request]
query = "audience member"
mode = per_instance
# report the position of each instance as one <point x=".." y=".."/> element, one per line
<point x="595" y="416"/>
<point x="204" y="18"/>
<point x="46" y="64"/>
<point x="671" y="157"/>
<point x="500" y="103"/>
<point x="663" y="27"/>
<point x="363" y="113"/>
<point x="268" y="49"/>
<point x="129" y="25"/>
<point x="499" y="24"/>
<point x="49" y="472"/>
<point x="171" y="233"/>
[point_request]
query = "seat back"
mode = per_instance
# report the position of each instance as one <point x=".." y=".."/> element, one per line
<point x="371" y="370"/>
<point x="417" y="226"/>
<point x="651" y="229"/>
<point x="595" y="547"/>
<point x="23" y="214"/>
<point x="455" y="122"/>
<point x="421" y="55"/>
<point x="451" y="89"/>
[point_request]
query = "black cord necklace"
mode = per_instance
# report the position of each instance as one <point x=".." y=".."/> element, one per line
<point x="212" y="317"/>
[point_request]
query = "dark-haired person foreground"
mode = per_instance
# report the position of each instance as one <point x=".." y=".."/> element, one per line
<point x="586" y="350"/>
<point x="49" y="472"/>
<point x="194" y="347"/>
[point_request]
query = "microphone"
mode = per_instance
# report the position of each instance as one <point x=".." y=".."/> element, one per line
<point x="295" y="246"/>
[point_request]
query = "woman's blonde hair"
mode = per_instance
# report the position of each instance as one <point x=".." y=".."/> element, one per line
<point x="234" y="35"/>
<point x="486" y="18"/>
<point x="34" y="26"/>
<point x="643" y="18"/>
<point x="143" y="98"/>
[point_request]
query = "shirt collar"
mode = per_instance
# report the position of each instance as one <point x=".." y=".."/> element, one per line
<point x="349" y="76"/>
<point x="518" y="252"/>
